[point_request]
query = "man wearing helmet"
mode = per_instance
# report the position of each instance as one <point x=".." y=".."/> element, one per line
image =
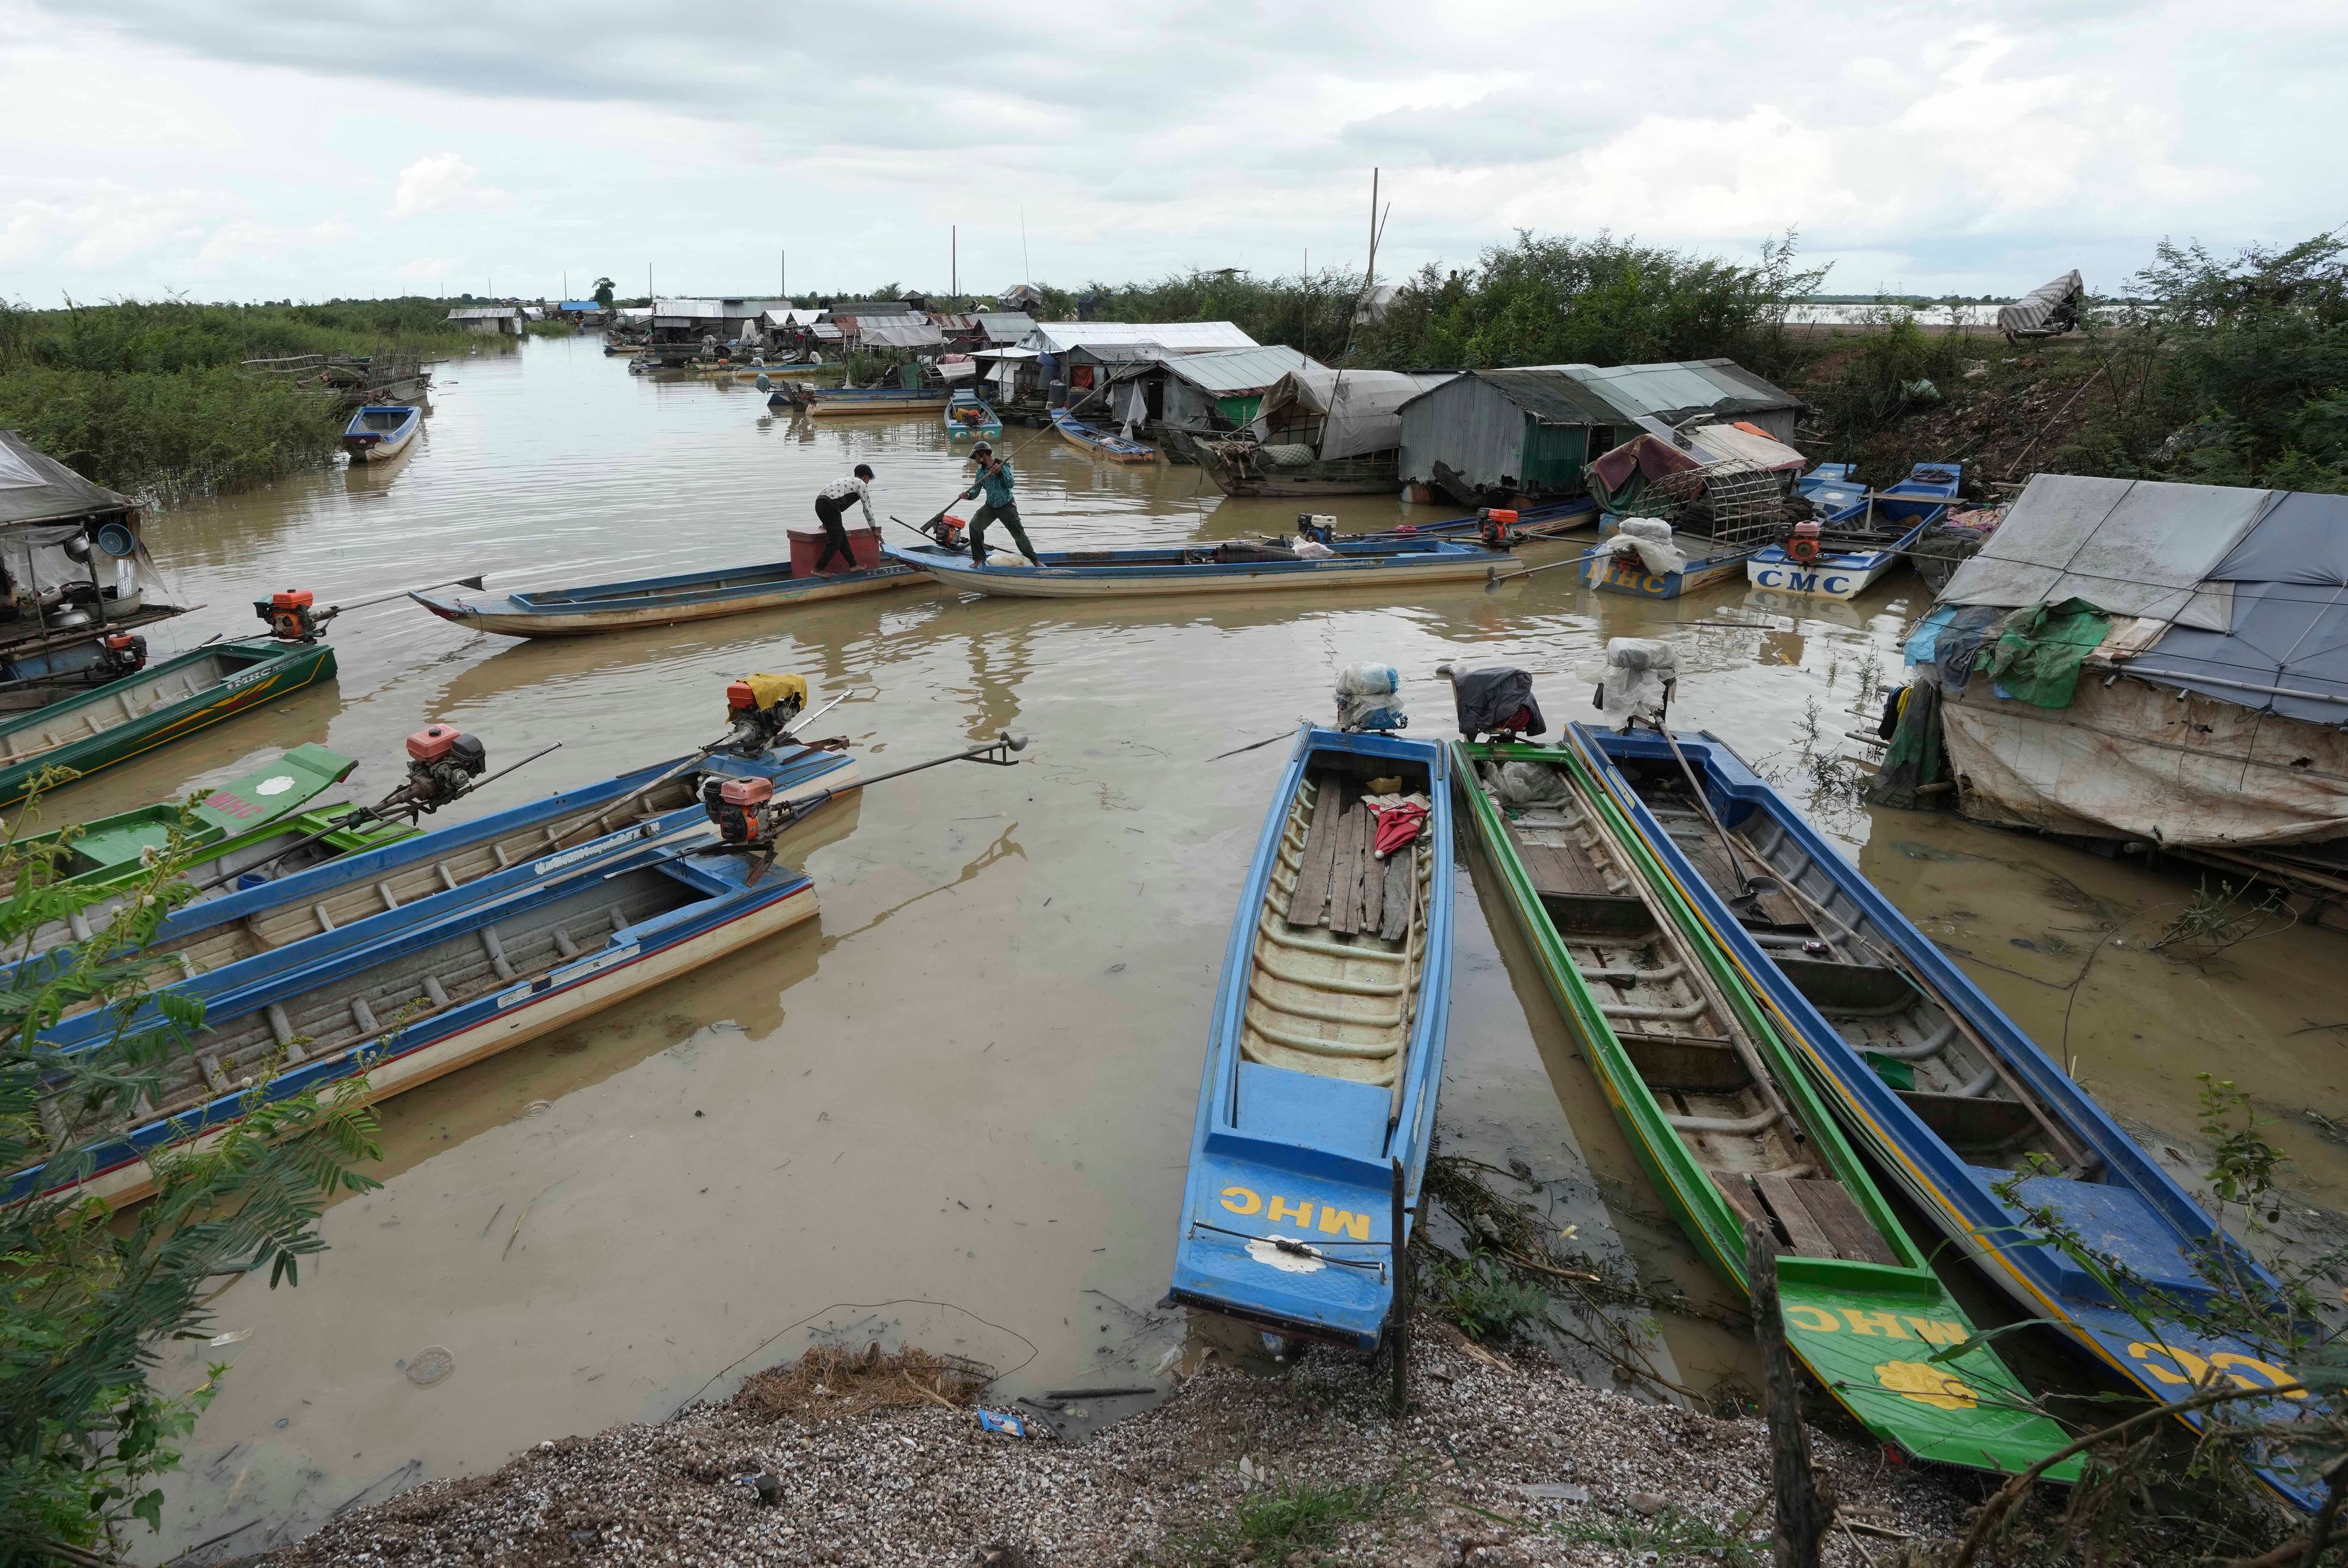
<point x="994" y="481"/>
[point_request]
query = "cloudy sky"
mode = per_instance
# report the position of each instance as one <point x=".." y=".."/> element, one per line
<point x="265" y="148"/>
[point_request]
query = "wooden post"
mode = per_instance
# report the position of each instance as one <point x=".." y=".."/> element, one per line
<point x="1398" y="1329"/>
<point x="1801" y="1523"/>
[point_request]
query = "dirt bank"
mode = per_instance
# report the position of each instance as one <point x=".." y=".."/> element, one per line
<point x="1501" y="1461"/>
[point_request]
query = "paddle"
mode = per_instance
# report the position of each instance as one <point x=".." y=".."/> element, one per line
<point x="1493" y="579"/>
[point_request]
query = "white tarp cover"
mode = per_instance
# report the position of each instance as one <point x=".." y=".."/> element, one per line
<point x="1361" y="410"/>
<point x="2030" y="314"/>
<point x="2131" y="761"/>
<point x="2128" y="547"/>
<point x="884" y="331"/>
<point x="1739" y="443"/>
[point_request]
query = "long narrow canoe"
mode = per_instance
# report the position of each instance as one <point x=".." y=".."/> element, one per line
<point x="1232" y="566"/>
<point x="521" y="844"/>
<point x="437" y="976"/>
<point x="832" y="403"/>
<point x="1722" y="1121"/>
<point x="155" y="706"/>
<point x="1863" y="539"/>
<point x="1100" y="443"/>
<point x="656" y="600"/>
<point x="1947" y="1095"/>
<point x="1325" y="1053"/>
<point x="229" y="828"/>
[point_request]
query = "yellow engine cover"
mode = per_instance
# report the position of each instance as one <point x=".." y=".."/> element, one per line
<point x="770" y="690"/>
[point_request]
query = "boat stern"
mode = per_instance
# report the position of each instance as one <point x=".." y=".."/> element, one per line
<point x="1299" y="1248"/>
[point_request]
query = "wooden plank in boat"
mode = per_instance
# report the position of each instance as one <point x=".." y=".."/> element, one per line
<point x="1345" y="873"/>
<point x="1831" y="1210"/>
<point x="1692" y="1063"/>
<point x="1770" y="908"/>
<point x="1809" y="1238"/>
<point x="1974" y="1123"/>
<point x="1556" y="869"/>
<point x="1373" y="875"/>
<point x="1310" y="896"/>
<point x="1402" y="889"/>
<point x="1739" y="1195"/>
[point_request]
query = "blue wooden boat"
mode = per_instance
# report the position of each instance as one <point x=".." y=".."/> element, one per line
<point x="412" y="961"/>
<point x="1863" y="533"/>
<point x="1604" y="571"/>
<point x="1233" y="566"/>
<point x="967" y="417"/>
<point x="1100" y="443"/>
<point x="381" y="431"/>
<point x="1326" y="1052"/>
<point x="1946" y="1094"/>
<point x="656" y="601"/>
<point x="829" y="403"/>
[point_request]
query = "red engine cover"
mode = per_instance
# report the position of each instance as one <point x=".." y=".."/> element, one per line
<point x="739" y="696"/>
<point x="431" y="743"/>
<point x="292" y="598"/>
<point x="747" y="792"/>
<point x="1500" y="515"/>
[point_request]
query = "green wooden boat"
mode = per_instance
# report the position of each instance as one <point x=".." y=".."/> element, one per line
<point x="1725" y="1124"/>
<point x="247" y="824"/>
<point x="178" y="697"/>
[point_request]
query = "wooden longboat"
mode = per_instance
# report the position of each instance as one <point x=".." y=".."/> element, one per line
<point x="834" y="403"/>
<point x="1232" y="566"/>
<point x="1100" y="443"/>
<point x="1326" y="1052"/>
<point x="430" y="971"/>
<point x="1948" y="1098"/>
<point x="1723" y="1122"/>
<point x="158" y="705"/>
<point x="657" y="601"/>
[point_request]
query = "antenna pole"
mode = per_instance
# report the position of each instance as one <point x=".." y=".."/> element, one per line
<point x="953" y="262"/>
<point x="1372" y="276"/>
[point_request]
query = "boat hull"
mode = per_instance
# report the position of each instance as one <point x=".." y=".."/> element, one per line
<point x="1865" y="1330"/>
<point x="1312" y="1157"/>
<point x="1608" y="572"/>
<point x="277" y="669"/>
<point x="850" y="403"/>
<point x="2142" y="1215"/>
<point x="369" y="446"/>
<point x="1099" y="443"/>
<point x="1262" y="576"/>
<point x="511" y="616"/>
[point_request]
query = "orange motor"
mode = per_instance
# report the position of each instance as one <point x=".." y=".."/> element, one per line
<point x="432" y="743"/>
<point x="1803" y="545"/>
<point x="289" y="614"/>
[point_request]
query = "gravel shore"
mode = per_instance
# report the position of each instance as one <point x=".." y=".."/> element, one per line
<point x="1501" y="1461"/>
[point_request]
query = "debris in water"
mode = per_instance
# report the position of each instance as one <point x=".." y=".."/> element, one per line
<point x="240" y="1335"/>
<point x="1001" y="1422"/>
<point x="431" y="1364"/>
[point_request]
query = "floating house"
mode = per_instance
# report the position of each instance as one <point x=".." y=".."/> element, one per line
<point x="76" y="580"/>
<point x="1488" y="437"/>
<point x="1061" y="377"/>
<point x="1319" y="432"/>
<point x="1217" y="390"/>
<point x="2158" y="669"/>
<point x="491" y="321"/>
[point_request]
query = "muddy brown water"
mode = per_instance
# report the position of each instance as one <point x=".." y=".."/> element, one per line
<point x="959" y="1110"/>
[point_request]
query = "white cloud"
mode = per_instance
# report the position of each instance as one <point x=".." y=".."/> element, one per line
<point x="429" y="269"/>
<point x="237" y="241"/>
<point x="445" y="181"/>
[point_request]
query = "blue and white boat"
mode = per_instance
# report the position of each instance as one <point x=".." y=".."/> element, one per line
<point x="1609" y="571"/>
<point x="1232" y="566"/>
<point x="656" y="600"/>
<point x="381" y="431"/>
<point x="411" y="961"/>
<point x="1100" y="443"/>
<point x="1326" y="1052"/>
<point x="1950" y="1099"/>
<point x="1862" y="533"/>
<point x="967" y="417"/>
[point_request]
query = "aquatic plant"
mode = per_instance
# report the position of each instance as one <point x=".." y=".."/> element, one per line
<point x="89" y="1296"/>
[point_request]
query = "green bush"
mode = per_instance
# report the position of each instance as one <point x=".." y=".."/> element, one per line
<point x="171" y="434"/>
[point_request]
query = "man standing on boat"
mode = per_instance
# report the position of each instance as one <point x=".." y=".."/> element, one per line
<point x="994" y="481"/>
<point x="832" y="505"/>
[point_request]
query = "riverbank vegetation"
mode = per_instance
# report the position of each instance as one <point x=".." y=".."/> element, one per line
<point x="148" y="397"/>
<point x="89" y="1300"/>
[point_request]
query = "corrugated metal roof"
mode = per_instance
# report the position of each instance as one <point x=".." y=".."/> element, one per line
<point x="1550" y="394"/>
<point x="1177" y="337"/>
<point x="1675" y="385"/>
<point x="484" y="312"/>
<point x="1232" y="371"/>
<point x="870" y="308"/>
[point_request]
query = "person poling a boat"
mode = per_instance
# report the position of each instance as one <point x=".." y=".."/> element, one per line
<point x="994" y="483"/>
<point x="832" y="505"/>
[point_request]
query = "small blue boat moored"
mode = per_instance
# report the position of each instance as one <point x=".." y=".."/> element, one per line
<point x="1326" y="1052"/>
<point x="1947" y="1096"/>
<point x="968" y="417"/>
<point x="1100" y="443"/>
<point x="1610" y="573"/>
<point x="380" y="432"/>
<point x="1862" y="533"/>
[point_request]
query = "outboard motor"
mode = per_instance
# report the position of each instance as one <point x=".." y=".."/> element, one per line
<point x="1802" y="546"/>
<point x="1321" y="527"/>
<point x="290" y="615"/>
<point x="124" y="653"/>
<point x="746" y="812"/>
<point x="1496" y="704"/>
<point x="1496" y="528"/>
<point x="442" y="763"/>
<point x="761" y="708"/>
<point x="947" y="532"/>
